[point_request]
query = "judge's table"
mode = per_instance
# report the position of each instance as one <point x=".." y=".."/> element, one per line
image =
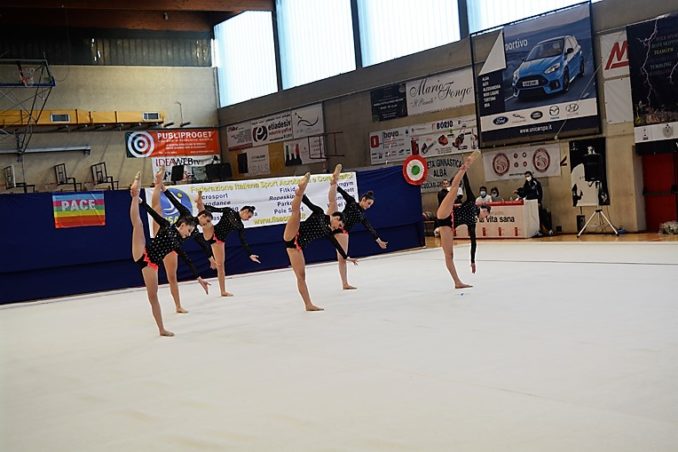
<point x="507" y="220"/>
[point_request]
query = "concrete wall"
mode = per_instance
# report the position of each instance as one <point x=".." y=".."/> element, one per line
<point x="112" y="88"/>
<point x="347" y="110"/>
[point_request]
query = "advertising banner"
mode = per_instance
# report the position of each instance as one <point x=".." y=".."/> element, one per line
<point x="389" y="102"/>
<point x="239" y="136"/>
<point x="539" y="80"/>
<point x="440" y="92"/>
<point x="614" y="56"/>
<point x="511" y="163"/>
<point x="271" y="197"/>
<point x="589" y="173"/>
<point x="172" y="142"/>
<point x="393" y="145"/>
<point x="304" y="151"/>
<point x="79" y="209"/>
<point x="271" y="129"/>
<point x="308" y="121"/>
<point x="653" y="58"/>
<point x="192" y="168"/>
<point x="446" y="136"/>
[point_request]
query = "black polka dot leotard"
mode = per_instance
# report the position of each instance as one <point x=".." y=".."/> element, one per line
<point x="230" y="221"/>
<point x="165" y="241"/>
<point x="354" y="214"/>
<point x="467" y="213"/>
<point x="185" y="212"/>
<point x="316" y="226"/>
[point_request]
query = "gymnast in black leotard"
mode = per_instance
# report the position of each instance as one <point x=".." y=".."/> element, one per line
<point x="148" y="257"/>
<point x="231" y="220"/>
<point x="354" y="213"/>
<point x="298" y="234"/>
<point x="170" y="261"/>
<point x="444" y="221"/>
<point x="468" y="213"/>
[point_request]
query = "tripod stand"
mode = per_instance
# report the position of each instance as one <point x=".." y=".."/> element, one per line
<point x="600" y="215"/>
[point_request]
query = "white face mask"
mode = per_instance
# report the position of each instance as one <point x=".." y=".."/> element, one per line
<point x="495" y="195"/>
<point x="483" y="193"/>
<point x="528" y="178"/>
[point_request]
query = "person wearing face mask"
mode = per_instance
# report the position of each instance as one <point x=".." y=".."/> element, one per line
<point x="531" y="190"/>
<point x="484" y="197"/>
<point x="494" y="192"/>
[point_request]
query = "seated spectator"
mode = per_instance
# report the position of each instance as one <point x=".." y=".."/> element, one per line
<point x="484" y="197"/>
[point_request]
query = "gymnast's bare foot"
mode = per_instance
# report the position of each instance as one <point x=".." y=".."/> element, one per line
<point x="134" y="188"/>
<point x="159" y="176"/>
<point x="226" y="294"/>
<point x="302" y="184"/>
<point x="336" y="174"/>
<point x="349" y="287"/>
<point x="181" y="310"/>
<point x="462" y="286"/>
<point x="312" y="307"/>
<point x="166" y="333"/>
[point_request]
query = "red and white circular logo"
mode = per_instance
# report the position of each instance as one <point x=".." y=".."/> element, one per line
<point x="501" y="164"/>
<point x="541" y="160"/>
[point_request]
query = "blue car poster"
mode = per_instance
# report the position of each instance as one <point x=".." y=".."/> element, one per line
<point x="538" y="81"/>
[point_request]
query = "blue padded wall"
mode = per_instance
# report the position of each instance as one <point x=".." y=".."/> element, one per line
<point x="39" y="261"/>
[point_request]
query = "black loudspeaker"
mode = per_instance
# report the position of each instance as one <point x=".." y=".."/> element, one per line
<point x="242" y="164"/>
<point x="592" y="167"/>
<point x="177" y="173"/>
<point x="218" y="172"/>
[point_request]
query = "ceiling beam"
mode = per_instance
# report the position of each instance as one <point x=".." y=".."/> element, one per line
<point x="235" y="6"/>
<point x="132" y="20"/>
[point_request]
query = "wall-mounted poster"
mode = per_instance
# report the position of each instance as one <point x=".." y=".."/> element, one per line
<point x="440" y="92"/>
<point x="393" y="145"/>
<point x="388" y="102"/>
<point x="538" y="81"/>
<point x="589" y="173"/>
<point x="542" y="160"/>
<point x="653" y="59"/>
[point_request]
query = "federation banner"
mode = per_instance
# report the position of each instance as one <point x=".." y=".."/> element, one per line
<point x="538" y="81"/>
<point x="440" y="168"/>
<point x="171" y="142"/>
<point x="76" y="210"/>
<point x="271" y="197"/>
<point x="511" y="163"/>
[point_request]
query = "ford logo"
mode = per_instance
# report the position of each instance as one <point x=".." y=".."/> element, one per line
<point x="536" y="114"/>
<point x="499" y="120"/>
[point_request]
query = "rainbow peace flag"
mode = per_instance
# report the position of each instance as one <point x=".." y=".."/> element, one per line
<point x="79" y="209"/>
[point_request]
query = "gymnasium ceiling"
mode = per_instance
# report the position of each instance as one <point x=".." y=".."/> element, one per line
<point x="158" y="15"/>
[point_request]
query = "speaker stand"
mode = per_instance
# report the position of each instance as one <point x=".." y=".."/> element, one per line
<point x="600" y="215"/>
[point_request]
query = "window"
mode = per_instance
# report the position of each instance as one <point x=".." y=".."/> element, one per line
<point x="484" y="14"/>
<point x="392" y="28"/>
<point x="316" y="39"/>
<point x="245" y="57"/>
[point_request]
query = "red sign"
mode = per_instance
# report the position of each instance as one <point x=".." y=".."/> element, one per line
<point x="173" y="142"/>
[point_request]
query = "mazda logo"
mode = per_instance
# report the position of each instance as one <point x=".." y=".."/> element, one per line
<point x="554" y="110"/>
<point x="571" y="108"/>
<point x="499" y="120"/>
